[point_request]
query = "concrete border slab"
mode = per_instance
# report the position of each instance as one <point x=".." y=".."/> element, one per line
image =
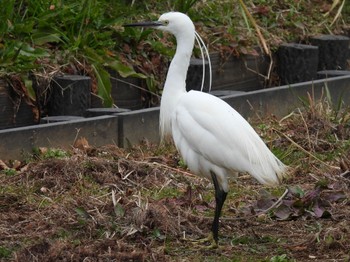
<point x="132" y="127"/>
<point x="138" y="125"/>
<point x="281" y="100"/>
<point x="15" y="143"/>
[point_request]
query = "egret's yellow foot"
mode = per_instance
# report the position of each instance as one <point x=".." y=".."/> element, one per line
<point x="203" y="241"/>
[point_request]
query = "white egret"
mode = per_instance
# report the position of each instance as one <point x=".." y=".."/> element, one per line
<point x="214" y="140"/>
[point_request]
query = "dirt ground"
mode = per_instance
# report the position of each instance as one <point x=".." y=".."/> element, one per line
<point x="142" y="204"/>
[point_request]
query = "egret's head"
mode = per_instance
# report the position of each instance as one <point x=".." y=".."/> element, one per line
<point x="173" y="22"/>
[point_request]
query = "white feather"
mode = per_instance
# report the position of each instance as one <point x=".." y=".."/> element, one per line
<point x="209" y="134"/>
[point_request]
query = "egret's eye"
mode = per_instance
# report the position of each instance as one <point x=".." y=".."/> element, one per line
<point x="165" y="22"/>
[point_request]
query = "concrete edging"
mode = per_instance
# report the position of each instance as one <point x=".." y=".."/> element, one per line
<point x="130" y="128"/>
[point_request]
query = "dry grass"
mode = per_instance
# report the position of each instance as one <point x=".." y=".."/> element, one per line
<point x="109" y="204"/>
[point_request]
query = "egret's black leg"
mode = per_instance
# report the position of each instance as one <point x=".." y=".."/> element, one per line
<point x="220" y="197"/>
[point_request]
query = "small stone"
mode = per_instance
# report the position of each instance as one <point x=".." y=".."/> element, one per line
<point x="44" y="190"/>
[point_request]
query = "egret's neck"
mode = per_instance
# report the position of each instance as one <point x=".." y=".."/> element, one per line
<point x="176" y="77"/>
<point x="175" y="84"/>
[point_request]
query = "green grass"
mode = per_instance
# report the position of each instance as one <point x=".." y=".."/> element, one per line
<point x="5" y="252"/>
<point x="87" y="36"/>
<point x="47" y="153"/>
<point x="9" y="171"/>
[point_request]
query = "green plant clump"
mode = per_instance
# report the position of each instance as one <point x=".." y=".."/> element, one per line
<point x="43" y="39"/>
<point x="55" y="37"/>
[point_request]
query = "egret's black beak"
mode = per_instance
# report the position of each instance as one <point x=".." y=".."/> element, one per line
<point x="145" y="24"/>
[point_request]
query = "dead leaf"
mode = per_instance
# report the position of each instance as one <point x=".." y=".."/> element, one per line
<point x="3" y="166"/>
<point x="82" y="144"/>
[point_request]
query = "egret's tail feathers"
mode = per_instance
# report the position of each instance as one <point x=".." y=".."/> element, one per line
<point x="269" y="170"/>
<point x="260" y="162"/>
<point x="282" y="171"/>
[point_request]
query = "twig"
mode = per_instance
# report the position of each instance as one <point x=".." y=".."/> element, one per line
<point x="136" y="86"/>
<point x="338" y="12"/>
<point x="334" y="4"/>
<point x="304" y="150"/>
<point x="165" y="166"/>
<point x="286" y="117"/>
<point x="266" y="77"/>
<point x="306" y="127"/>
<point x="277" y="203"/>
<point x="257" y="29"/>
<point x="76" y="136"/>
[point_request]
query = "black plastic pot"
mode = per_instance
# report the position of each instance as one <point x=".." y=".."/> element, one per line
<point x="126" y="92"/>
<point x="69" y="95"/>
<point x="14" y="112"/>
<point x="296" y="63"/>
<point x="333" y="51"/>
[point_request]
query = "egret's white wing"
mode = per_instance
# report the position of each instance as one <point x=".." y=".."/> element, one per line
<point x="206" y="130"/>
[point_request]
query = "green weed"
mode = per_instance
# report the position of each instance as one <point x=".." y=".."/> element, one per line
<point x="9" y="171"/>
<point x="50" y="153"/>
<point x="280" y="258"/>
<point x="5" y="252"/>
